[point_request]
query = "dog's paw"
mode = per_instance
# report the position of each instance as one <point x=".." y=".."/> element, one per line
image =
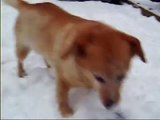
<point x="22" y="74"/>
<point x="66" y="112"/>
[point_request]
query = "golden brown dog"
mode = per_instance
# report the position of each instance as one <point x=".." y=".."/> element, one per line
<point x="85" y="53"/>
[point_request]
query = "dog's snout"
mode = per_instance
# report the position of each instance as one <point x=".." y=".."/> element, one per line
<point x="109" y="103"/>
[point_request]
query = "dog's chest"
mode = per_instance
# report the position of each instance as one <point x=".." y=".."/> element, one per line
<point x="73" y="74"/>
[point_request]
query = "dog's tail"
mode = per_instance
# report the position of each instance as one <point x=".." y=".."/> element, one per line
<point x="16" y="3"/>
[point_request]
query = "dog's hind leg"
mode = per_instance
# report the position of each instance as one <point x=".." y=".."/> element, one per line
<point x="21" y="52"/>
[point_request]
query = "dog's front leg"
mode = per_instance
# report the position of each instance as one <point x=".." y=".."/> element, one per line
<point x="63" y="98"/>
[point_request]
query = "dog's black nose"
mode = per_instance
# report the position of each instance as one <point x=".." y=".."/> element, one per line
<point x="109" y="103"/>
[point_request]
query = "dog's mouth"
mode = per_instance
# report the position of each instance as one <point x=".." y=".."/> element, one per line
<point x="108" y="90"/>
<point x="110" y="103"/>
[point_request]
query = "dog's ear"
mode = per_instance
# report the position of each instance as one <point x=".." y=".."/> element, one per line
<point x="136" y="48"/>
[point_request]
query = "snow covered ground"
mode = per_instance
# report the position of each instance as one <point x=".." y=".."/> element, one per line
<point x="34" y="95"/>
<point x="154" y="5"/>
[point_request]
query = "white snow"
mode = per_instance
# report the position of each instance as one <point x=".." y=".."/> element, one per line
<point x="154" y="5"/>
<point x="34" y="95"/>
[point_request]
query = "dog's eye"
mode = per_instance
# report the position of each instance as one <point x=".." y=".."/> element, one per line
<point x="99" y="79"/>
<point x="120" y="77"/>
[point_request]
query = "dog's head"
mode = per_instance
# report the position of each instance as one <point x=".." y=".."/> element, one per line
<point x="104" y="52"/>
